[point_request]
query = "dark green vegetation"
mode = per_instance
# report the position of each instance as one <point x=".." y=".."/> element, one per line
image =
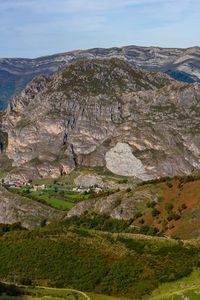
<point x="67" y="256"/>
<point x="10" y="290"/>
<point x="99" y="222"/>
<point x="106" y="223"/>
<point x="4" y="228"/>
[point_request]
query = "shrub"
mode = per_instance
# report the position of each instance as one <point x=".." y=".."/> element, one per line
<point x="138" y="215"/>
<point x="169" y="207"/>
<point x="183" y="206"/>
<point x="144" y="229"/>
<point x="43" y="223"/>
<point x="173" y="216"/>
<point x="25" y="281"/>
<point x="151" y="204"/>
<point x="62" y="193"/>
<point x="155" y="212"/>
<point x="169" y="185"/>
<point x="123" y="181"/>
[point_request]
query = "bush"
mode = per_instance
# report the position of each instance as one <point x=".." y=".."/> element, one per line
<point x="123" y="181"/>
<point x="169" y="207"/>
<point x="155" y="212"/>
<point x="43" y="223"/>
<point x="62" y="193"/>
<point x="10" y="290"/>
<point x="173" y="216"/>
<point x="144" y="229"/>
<point x="151" y="204"/>
<point x="169" y="185"/>
<point x="141" y="221"/>
<point x="25" y="281"/>
<point x="183" y="206"/>
<point x="138" y="215"/>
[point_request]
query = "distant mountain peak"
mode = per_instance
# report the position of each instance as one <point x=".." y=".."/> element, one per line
<point x="15" y="73"/>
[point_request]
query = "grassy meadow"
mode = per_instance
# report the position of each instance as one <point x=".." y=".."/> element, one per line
<point x="61" y="199"/>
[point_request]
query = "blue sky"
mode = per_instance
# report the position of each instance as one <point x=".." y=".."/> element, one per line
<point x="32" y="28"/>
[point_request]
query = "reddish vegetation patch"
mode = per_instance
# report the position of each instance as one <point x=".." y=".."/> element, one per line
<point x="180" y="198"/>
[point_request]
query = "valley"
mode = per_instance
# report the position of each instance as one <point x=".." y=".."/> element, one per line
<point x="100" y="182"/>
<point x="160" y="207"/>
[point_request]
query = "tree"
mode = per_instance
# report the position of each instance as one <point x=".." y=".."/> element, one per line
<point x="169" y="207"/>
<point x="43" y="224"/>
<point x="155" y="212"/>
<point x="62" y="193"/>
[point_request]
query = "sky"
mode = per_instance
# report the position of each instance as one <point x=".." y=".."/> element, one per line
<point x="33" y="28"/>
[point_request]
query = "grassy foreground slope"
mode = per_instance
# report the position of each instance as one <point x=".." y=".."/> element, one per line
<point x="99" y="262"/>
<point x="185" y="287"/>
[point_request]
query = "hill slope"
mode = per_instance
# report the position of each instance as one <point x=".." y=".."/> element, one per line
<point x="181" y="64"/>
<point x="89" y="261"/>
<point x="15" y="208"/>
<point x="167" y="206"/>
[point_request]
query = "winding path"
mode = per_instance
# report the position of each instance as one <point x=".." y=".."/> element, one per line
<point x="71" y="290"/>
<point x="51" y="288"/>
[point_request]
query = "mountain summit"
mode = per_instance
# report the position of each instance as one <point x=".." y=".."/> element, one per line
<point x="103" y="113"/>
<point x="181" y="64"/>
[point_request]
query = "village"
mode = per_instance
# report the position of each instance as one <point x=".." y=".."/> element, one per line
<point x="17" y="182"/>
<point x="12" y="181"/>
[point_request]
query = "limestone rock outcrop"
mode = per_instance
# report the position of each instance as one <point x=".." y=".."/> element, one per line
<point x="15" y="208"/>
<point x="121" y="161"/>
<point x="80" y="114"/>
<point x="120" y="205"/>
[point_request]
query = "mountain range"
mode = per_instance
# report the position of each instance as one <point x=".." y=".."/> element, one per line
<point x="181" y="64"/>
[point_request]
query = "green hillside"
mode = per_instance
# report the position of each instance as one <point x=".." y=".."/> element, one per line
<point x="98" y="262"/>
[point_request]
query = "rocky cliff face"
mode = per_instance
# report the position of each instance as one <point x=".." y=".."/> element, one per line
<point x="181" y="64"/>
<point x="15" y="208"/>
<point x="120" y="205"/>
<point x="95" y="111"/>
